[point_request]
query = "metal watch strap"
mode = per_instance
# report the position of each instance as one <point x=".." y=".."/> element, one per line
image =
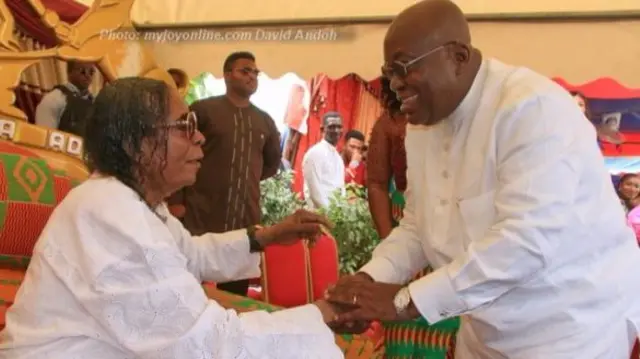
<point x="254" y="245"/>
<point x="402" y="300"/>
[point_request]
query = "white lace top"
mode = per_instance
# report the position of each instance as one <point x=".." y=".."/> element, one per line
<point x="110" y="280"/>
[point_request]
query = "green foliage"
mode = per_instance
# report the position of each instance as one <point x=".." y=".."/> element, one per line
<point x="353" y="228"/>
<point x="355" y="190"/>
<point x="198" y="88"/>
<point x="277" y="199"/>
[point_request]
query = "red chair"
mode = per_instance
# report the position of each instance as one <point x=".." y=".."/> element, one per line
<point x="284" y="275"/>
<point x="298" y="274"/>
<point x="323" y="266"/>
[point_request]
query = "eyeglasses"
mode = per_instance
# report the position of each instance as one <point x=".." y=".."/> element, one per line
<point x="187" y="123"/>
<point x="402" y="68"/>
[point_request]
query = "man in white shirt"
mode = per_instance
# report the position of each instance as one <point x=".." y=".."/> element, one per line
<point x="322" y="166"/>
<point x="65" y="107"/>
<point x="508" y="200"/>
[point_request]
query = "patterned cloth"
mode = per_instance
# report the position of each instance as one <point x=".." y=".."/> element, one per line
<point x="418" y="339"/>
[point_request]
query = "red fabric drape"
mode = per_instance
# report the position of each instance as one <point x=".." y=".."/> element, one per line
<point x="327" y="95"/>
<point x="28" y="20"/>
<point x="603" y="88"/>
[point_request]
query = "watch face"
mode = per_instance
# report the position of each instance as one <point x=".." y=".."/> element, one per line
<point x="402" y="300"/>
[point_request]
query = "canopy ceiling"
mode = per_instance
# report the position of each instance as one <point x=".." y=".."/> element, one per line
<point x="578" y="51"/>
<point x="175" y="12"/>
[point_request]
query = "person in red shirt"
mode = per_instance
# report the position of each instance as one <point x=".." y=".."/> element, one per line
<point x="352" y="154"/>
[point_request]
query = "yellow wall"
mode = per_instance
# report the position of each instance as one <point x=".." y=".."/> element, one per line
<point x="579" y="51"/>
<point x="217" y="11"/>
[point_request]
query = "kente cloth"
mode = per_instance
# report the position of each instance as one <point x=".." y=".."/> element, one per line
<point x="111" y="277"/>
<point x="510" y="202"/>
<point x="242" y="148"/>
<point x="417" y="339"/>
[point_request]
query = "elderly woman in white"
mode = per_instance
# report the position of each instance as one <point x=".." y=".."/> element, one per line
<point x="114" y="275"/>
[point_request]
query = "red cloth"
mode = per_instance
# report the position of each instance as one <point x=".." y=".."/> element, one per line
<point x="341" y="95"/>
<point x="356" y="175"/>
<point x="27" y="18"/>
<point x="601" y="88"/>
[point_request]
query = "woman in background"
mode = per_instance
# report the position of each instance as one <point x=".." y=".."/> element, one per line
<point x="629" y="193"/>
<point x="386" y="183"/>
<point x="387" y="179"/>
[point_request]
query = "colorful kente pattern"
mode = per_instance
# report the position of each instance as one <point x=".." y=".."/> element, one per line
<point x="29" y="191"/>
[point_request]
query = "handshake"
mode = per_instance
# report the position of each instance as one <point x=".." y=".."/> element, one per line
<point x="355" y="301"/>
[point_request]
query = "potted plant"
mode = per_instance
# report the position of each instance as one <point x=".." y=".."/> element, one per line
<point x="277" y="199"/>
<point x="353" y="227"/>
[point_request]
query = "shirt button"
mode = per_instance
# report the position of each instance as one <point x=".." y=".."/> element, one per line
<point x="446" y="147"/>
<point x="444" y="202"/>
<point x="445" y="174"/>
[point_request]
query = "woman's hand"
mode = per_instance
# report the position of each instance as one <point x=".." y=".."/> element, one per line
<point x="300" y="225"/>
<point x="330" y="314"/>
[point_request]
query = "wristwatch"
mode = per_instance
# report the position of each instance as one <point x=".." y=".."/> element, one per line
<point x="402" y="300"/>
<point x="254" y="245"/>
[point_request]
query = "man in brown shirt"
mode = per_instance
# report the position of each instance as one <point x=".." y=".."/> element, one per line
<point x="242" y="148"/>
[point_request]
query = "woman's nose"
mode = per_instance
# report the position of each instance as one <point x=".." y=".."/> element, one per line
<point x="198" y="138"/>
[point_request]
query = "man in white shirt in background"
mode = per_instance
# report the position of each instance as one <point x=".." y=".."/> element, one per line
<point x="508" y="200"/>
<point x="65" y="107"/>
<point x="322" y="165"/>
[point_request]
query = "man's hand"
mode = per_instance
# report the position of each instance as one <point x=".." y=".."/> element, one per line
<point x="367" y="299"/>
<point x="300" y="225"/>
<point x="356" y="156"/>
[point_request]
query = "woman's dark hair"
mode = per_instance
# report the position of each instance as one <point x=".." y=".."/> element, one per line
<point x="389" y="98"/>
<point x="126" y="112"/>
<point x="628" y="202"/>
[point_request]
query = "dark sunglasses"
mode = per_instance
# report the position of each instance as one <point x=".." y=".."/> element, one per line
<point x="401" y="68"/>
<point x="187" y="123"/>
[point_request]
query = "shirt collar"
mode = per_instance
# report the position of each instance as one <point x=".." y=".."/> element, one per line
<point x="471" y="101"/>
<point x="326" y="143"/>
